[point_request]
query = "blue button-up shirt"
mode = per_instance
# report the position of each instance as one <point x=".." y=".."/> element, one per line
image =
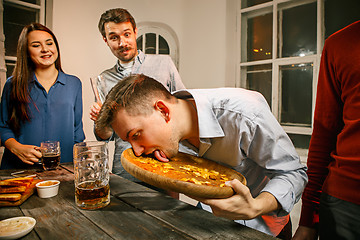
<point x="238" y="129"/>
<point x="56" y="115"/>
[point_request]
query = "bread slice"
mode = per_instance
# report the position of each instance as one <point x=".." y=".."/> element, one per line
<point x="16" y="182"/>
<point x="9" y="189"/>
<point x="13" y="183"/>
<point x="21" y="179"/>
<point x="12" y="197"/>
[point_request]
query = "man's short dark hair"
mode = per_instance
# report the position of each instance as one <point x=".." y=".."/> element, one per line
<point x="116" y="15"/>
<point x="134" y="94"/>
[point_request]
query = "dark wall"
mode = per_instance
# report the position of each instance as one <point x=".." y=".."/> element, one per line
<point x="339" y="14"/>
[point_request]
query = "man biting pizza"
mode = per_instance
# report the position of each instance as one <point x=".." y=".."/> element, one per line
<point x="231" y="126"/>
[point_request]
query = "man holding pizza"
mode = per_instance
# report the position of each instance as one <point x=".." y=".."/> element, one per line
<point x="232" y="126"/>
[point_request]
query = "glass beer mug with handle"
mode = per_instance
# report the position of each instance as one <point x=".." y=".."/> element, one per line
<point x="91" y="168"/>
<point x="50" y="151"/>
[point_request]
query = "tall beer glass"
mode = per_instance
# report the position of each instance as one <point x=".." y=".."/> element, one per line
<point x="91" y="168"/>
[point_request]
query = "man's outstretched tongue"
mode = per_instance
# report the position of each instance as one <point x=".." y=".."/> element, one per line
<point x="160" y="156"/>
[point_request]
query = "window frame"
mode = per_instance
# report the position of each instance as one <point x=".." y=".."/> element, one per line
<point x="41" y="9"/>
<point x="166" y="32"/>
<point x="44" y="7"/>
<point x="273" y="6"/>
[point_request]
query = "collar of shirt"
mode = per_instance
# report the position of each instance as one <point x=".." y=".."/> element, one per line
<point x="61" y="78"/>
<point x="209" y="126"/>
<point x="139" y="59"/>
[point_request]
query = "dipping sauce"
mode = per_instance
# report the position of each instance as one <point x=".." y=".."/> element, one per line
<point x="47" y="183"/>
<point x="48" y="188"/>
<point x="16" y="225"/>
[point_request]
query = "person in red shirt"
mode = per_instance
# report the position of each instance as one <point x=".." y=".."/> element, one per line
<point x="331" y="200"/>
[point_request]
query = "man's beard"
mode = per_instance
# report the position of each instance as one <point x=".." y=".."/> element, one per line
<point x="126" y="58"/>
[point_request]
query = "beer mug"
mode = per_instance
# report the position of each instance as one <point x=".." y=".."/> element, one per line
<point x="91" y="168"/>
<point x="50" y="151"/>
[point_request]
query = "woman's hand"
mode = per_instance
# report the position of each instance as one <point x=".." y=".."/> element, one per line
<point x="241" y="206"/>
<point x="29" y="154"/>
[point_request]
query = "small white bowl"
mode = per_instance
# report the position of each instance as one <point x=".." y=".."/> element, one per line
<point x="48" y="188"/>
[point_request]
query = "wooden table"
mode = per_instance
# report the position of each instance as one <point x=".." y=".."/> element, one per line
<point x="135" y="212"/>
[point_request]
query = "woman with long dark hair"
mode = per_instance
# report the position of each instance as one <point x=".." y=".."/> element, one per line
<point x="39" y="101"/>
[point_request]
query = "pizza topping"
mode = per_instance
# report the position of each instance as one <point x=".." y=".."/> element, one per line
<point x="191" y="172"/>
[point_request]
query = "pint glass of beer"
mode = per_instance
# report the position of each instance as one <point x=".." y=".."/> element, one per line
<point x="91" y="168"/>
<point x="50" y="151"/>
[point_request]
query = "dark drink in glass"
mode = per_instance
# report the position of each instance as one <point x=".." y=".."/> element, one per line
<point x="50" y="161"/>
<point x="50" y="151"/>
<point x="91" y="169"/>
<point x="92" y="195"/>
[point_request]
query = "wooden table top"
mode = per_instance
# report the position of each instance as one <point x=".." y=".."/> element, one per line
<point x="135" y="212"/>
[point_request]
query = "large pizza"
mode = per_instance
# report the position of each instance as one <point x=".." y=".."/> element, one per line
<point x="184" y="173"/>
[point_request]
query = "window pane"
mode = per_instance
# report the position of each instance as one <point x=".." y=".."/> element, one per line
<point x="259" y="42"/>
<point x="259" y="79"/>
<point x="249" y="3"/>
<point x="300" y="141"/>
<point x="139" y="42"/>
<point x="163" y="46"/>
<point x="10" y="65"/>
<point x="297" y="31"/>
<point x="296" y="94"/>
<point x="37" y="2"/>
<point x="338" y="16"/>
<point x="150" y="43"/>
<point x="15" y="18"/>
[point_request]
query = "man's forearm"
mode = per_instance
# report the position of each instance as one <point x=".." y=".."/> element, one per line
<point x="266" y="203"/>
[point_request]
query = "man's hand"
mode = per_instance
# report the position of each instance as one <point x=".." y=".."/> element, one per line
<point x="29" y="154"/>
<point x="241" y="206"/>
<point x="94" y="111"/>
<point x="305" y="233"/>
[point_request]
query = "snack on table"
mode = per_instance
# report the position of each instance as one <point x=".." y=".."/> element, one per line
<point x="15" y="185"/>
<point x="15" y="191"/>
<point x="184" y="173"/>
<point x="19" y="179"/>
<point x="10" y="197"/>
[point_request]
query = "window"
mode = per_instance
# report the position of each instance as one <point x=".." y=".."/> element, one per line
<point x="280" y="52"/>
<point x="152" y="43"/>
<point x="17" y="14"/>
<point x="156" y="38"/>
